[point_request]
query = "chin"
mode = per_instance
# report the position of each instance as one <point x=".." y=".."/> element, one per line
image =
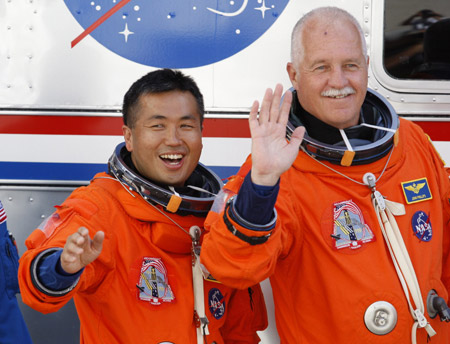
<point x="176" y="182"/>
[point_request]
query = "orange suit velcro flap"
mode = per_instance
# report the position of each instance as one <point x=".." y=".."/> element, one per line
<point x="83" y="207"/>
<point x="174" y="203"/>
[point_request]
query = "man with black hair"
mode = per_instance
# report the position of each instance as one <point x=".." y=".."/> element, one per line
<point x="126" y="247"/>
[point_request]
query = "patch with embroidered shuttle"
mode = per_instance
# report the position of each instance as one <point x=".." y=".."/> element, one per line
<point x="153" y="282"/>
<point x="416" y="190"/>
<point x="349" y="227"/>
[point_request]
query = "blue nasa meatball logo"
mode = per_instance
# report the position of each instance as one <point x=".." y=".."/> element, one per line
<point x="175" y="33"/>
<point x="216" y="303"/>
<point x="422" y="226"/>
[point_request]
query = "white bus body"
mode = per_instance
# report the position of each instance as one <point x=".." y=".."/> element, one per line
<point x="65" y="66"/>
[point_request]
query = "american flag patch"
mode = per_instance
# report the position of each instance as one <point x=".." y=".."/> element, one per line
<point x="2" y="213"/>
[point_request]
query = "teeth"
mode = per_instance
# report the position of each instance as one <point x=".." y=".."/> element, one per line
<point x="171" y="156"/>
<point x="338" y="93"/>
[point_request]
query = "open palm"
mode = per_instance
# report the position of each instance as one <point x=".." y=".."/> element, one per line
<point x="272" y="154"/>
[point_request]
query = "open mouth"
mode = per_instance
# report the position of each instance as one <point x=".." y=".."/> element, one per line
<point x="341" y="96"/>
<point x="172" y="159"/>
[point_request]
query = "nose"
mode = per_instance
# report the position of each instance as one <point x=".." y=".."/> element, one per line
<point x="172" y="137"/>
<point x="337" y="78"/>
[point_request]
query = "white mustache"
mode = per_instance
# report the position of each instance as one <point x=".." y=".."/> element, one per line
<point x="333" y="92"/>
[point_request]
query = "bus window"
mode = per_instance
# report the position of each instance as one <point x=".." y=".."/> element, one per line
<point x="416" y="39"/>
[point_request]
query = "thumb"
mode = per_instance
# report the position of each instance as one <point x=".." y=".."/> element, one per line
<point x="97" y="241"/>
<point x="297" y="136"/>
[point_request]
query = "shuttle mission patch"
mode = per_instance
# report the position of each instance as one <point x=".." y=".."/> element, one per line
<point x="416" y="190"/>
<point x="153" y="283"/>
<point x="216" y="303"/>
<point x="349" y="227"/>
<point x="421" y="226"/>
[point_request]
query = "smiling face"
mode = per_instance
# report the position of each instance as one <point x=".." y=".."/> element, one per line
<point x="166" y="139"/>
<point x="331" y="76"/>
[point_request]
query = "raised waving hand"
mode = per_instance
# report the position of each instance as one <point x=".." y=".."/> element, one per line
<point x="80" y="250"/>
<point x="272" y="154"/>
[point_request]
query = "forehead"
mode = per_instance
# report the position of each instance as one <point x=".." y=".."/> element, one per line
<point x="331" y="38"/>
<point x="170" y="105"/>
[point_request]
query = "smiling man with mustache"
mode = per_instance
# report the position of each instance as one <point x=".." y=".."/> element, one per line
<point x="353" y="255"/>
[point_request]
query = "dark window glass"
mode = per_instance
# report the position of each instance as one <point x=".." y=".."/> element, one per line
<point x="417" y="39"/>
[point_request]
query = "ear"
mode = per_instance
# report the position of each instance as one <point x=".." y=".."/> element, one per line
<point x="127" y="135"/>
<point x="292" y="72"/>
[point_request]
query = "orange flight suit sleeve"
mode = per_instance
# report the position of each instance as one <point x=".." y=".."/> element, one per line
<point x="52" y="235"/>
<point x="239" y="263"/>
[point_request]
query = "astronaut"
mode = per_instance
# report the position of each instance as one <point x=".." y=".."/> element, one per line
<point x="346" y="150"/>
<point x="125" y="247"/>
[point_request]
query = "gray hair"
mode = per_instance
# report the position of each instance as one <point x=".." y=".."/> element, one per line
<point x="331" y="13"/>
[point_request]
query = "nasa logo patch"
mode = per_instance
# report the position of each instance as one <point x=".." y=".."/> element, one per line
<point x="421" y="226"/>
<point x="216" y="303"/>
<point x="416" y="190"/>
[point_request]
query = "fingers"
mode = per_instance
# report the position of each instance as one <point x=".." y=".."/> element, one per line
<point x="253" y="117"/>
<point x="80" y="242"/>
<point x="83" y="236"/>
<point x="97" y="241"/>
<point x="275" y="104"/>
<point x="297" y="136"/>
<point x="264" y="113"/>
<point x="285" y="108"/>
<point x="270" y="106"/>
<point x="75" y="243"/>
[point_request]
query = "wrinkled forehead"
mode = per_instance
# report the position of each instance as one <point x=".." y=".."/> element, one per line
<point x="323" y="28"/>
<point x="328" y="36"/>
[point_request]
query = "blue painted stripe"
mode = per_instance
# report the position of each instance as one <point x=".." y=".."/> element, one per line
<point x="71" y="171"/>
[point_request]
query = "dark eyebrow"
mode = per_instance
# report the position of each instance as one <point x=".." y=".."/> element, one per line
<point x="161" y="117"/>
<point x="157" y="117"/>
<point x="188" y="117"/>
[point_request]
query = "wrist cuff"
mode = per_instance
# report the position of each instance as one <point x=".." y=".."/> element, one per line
<point x="252" y="240"/>
<point x="35" y="275"/>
